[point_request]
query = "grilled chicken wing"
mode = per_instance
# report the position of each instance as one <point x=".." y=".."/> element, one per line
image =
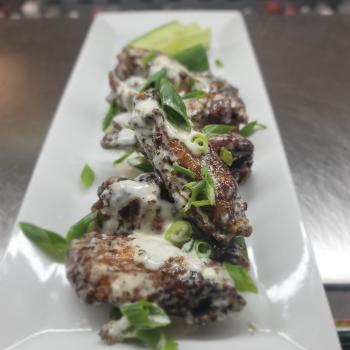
<point x="163" y="146"/>
<point x="119" y="269"/>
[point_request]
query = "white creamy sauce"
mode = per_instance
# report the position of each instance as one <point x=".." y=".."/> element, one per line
<point x="123" y="119"/>
<point x="126" y="137"/>
<point x="127" y="90"/>
<point x="172" y="67"/>
<point x="153" y="251"/>
<point x="183" y="136"/>
<point x="119" y="194"/>
<point x="128" y="282"/>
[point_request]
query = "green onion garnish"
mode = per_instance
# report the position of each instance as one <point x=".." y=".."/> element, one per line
<point x="194" y="58"/>
<point x="144" y="315"/>
<point x="202" y="249"/>
<point x="240" y="241"/>
<point x="84" y="225"/>
<point x="49" y="242"/>
<point x="201" y="142"/>
<point x="188" y="246"/>
<point x="202" y="192"/>
<point x="141" y="163"/>
<point x="241" y="278"/>
<point x="173" y="106"/>
<point x="148" y="57"/>
<point x="226" y="156"/>
<point x="218" y="63"/>
<point x="112" y="112"/>
<point x="179" y="233"/>
<point x="144" y="321"/>
<point x="251" y="128"/>
<point x="194" y="94"/>
<point x="123" y="157"/>
<point x="154" y="79"/>
<point x="217" y="129"/>
<point x="87" y="176"/>
<point x="183" y="171"/>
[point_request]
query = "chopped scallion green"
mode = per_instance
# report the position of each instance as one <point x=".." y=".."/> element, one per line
<point x="112" y="112"/>
<point x="202" y="249"/>
<point x="84" y="225"/>
<point x="173" y="106"/>
<point x="194" y="94"/>
<point x="154" y="79"/>
<point x="241" y="278"/>
<point x="87" y="176"/>
<point x="123" y="157"/>
<point x="183" y="171"/>
<point x="141" y="163"/>
<point x="226" y="156"/>
<point x="251" y="128"/>
<point x="179" y="233"/>
<point x="49" y="242"/>
<point x="218" y="129"/>
<point x="149" y="56"/>
<point x="218" y="63"/>
<point x="194" y="58"/>
<point x="201" y="143"/>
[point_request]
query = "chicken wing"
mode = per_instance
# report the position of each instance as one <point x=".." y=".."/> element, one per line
<point x="119" y="269"/>
<point x="163" y="147"/>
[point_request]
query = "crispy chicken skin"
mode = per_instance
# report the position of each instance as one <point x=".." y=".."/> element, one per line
<point x="221" y="221"/>
<point x="241" y="149"/>
<point x="102" y="269"/>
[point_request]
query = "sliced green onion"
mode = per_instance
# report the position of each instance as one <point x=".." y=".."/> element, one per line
<point x="194" y="94"/>
<point x="179" y="233"/>
<point x="241" y="278"/>
<point x="201" y="142"/>
<point x="150" y="338"/>
<point x="226" y="156"/>
<point x="183" y="171"/>
<point x="202" y="249"/>
<point x="166" y="344"/>
<point x="251" y="128"/>
<point x="173" y="106"/>
<point x="141" y="163"/>
<point x="240" y="241"/>
<point x="145" y="315"/>
<point x="49" y="242"/>
<point x="194" y="58"/>
<point x="202" y="192"/>
<point x="154" y="79"/>
<point x="112" y="112"/>
<point x="218" y="63"/>
<point x="87" y="176"/>
<point x="148" y="57"/>
<point x="123" y="157"/>
<point x="188" y="246"/>
<point x="84" y="225"/>
<point x="217" y="129"/>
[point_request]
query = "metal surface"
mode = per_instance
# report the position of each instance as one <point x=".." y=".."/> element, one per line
<point x="306" y="65"/>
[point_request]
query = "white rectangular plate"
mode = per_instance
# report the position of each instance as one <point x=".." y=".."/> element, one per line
<point x="39" y="310"/>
